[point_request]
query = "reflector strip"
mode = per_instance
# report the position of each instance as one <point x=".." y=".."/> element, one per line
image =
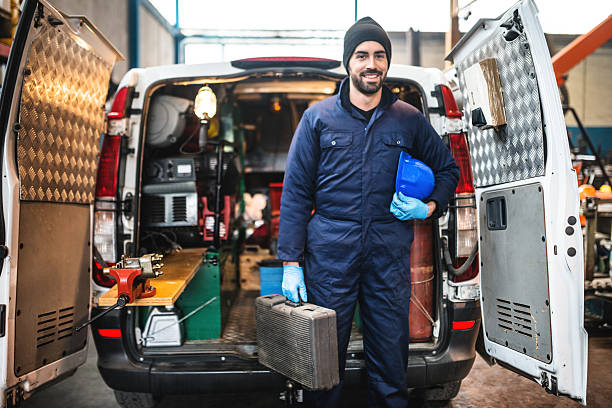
<point x="115" y="333"/>
<point x="468" y="324"/>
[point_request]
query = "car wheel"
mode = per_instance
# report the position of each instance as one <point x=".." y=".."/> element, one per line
<point x="136" y="399"/>
<point x="441" y="392"/>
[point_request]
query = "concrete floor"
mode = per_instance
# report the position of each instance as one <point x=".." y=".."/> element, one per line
<point x="484" y="387"/>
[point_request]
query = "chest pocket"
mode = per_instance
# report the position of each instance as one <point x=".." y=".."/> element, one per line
<point x="389" y="147"/>
<point x="336" y="154"/>
<point x="397" y="140"/>
<point x="336" y="140"/>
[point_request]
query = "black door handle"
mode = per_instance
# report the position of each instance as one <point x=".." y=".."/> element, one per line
<point x="497" y="218"/>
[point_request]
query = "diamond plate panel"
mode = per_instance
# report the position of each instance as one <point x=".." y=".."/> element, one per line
<point x="521" y="156"/>
<point x="61" y="118"/>
<point x="240" y="325"/>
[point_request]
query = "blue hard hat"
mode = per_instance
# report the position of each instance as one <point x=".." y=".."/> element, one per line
<point x="414" y="178"/>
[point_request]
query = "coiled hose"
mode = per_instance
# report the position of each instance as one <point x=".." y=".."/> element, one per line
<point x="449" y="263"/>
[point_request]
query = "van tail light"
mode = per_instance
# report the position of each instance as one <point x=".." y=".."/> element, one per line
<point x="121" y="103"/>
<point x="116" y="128"/>
<point x="106" y="208"/>
<point x="108" y="166"/>
<point x="466" y="235"/>
<point x="105" y="239"/>
<point x="461" y="154"/>
<point x="105" y="211"/>
<point x="451" y="110"/>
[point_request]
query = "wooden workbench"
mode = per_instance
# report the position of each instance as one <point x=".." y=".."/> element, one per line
<point x="178" y="270"/>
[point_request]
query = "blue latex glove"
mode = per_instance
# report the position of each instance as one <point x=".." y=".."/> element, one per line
<point x="293" y="281"/>
<point x="407" y="208"/>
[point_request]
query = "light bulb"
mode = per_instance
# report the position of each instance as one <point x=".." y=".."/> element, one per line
<point x="205" y="104"/>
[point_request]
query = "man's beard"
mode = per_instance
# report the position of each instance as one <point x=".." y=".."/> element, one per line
<point x="362" y="86"/>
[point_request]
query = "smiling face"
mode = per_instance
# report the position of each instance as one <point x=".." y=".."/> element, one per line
<point x="368" y="67"/>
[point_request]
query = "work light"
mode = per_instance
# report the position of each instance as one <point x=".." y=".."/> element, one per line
<point x="205" y="108"/>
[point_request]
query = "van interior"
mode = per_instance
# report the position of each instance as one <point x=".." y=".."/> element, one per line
<point x="256" y="116"/>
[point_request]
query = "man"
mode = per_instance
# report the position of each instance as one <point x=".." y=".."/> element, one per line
<point x="356" y="246"/>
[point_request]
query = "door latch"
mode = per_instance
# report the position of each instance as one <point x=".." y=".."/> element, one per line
<point x="497" y="218"/>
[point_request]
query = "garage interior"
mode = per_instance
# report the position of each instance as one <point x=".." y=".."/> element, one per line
<point x="149" y="33"/>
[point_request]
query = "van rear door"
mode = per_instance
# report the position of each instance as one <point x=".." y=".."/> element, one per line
<point x="52" y="115"/>
<point x="530" y="240"/>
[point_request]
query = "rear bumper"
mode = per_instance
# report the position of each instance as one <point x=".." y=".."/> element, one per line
<point x="455" y="360"/>
<point x="123" y="369"/>
<point x="452" y="361"/>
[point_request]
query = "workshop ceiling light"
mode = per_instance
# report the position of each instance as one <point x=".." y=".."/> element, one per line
<point x="205" y="104"/>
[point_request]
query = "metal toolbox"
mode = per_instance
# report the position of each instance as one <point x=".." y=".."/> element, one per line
<point x="298" y="341"/>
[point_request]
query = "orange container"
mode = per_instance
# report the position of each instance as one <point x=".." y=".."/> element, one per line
<point x="422" y="282"/>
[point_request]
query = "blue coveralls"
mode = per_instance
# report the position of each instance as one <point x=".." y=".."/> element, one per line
<point x="353" y="248"/>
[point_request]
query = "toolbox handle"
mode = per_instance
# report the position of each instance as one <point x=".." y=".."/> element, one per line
<point x="294" y="304"/>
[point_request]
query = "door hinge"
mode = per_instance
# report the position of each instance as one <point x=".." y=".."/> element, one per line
<point x="514" y="27"/>
<point x="127" y="205"/>
<point x="13" y="396"/>
<point x="550" y="386"/>
<point x="40" y="14"/>
<point x="554" y="390"/>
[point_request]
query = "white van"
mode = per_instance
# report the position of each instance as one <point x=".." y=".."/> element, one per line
<point x="517" y="202"/>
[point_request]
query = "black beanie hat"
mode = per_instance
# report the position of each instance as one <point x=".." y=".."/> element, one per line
<point x="365" y="29"/>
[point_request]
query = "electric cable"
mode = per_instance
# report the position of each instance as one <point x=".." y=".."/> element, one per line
<point x="122" y="300"/>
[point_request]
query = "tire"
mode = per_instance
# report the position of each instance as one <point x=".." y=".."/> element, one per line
<point x="441" y="392"/>
<point x="136" y="399"/>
